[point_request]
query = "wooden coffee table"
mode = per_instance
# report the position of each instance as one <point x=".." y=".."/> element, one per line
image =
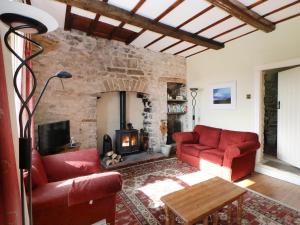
<point x="197" y="202"/>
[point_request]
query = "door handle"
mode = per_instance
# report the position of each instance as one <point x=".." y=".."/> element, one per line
<point x="278" y="105"/>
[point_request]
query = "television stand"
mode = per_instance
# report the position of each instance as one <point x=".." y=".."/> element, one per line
<point x="71" y="148"/>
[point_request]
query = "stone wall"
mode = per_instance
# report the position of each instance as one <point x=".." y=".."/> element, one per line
<point x="99" y="66"/>
<point x="270" y="102"/>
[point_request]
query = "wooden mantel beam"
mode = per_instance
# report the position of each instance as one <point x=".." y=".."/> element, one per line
<point x="238" y="10"/>
<point x="117" y="13"/>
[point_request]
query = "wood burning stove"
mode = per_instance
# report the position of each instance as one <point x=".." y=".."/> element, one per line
<point x="127" y="140"/>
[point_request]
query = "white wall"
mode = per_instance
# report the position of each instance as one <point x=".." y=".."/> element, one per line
<point x="237" y="61"/>
<point x="108" y="114"/>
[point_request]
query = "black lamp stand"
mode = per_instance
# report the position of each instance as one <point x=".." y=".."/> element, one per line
<point x="194" y="95"/>
<point x="25" y="145"/>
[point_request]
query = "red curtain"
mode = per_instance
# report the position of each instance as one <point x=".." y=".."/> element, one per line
<point x="10" y="204"/>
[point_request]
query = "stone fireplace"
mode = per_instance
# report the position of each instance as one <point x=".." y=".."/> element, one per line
<point x="101" y="67"/>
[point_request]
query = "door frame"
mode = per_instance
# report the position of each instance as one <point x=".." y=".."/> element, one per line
<point x="259" y="98"/>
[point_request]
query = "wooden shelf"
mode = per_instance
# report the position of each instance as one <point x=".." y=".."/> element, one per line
<point x="176" y="113"/>
<point x="176" y="100"/>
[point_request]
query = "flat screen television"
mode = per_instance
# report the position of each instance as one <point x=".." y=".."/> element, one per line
<point x="52" y="137"/>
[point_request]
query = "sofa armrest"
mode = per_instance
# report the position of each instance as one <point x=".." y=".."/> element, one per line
<point x="94" y="187"/>
<point x="239" y="150"/>
<point x="184" y="137"/>
<point x="76" y="191"/>
<point x="71" y="164"/>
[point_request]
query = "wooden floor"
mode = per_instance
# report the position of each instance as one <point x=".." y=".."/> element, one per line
<point x="274" y="188"/>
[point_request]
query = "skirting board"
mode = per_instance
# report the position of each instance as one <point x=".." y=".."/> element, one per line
<point x="276" y="173"/>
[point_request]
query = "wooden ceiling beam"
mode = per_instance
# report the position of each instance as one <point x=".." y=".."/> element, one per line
<point x="159" y="17"/>
<point x="216" y="23"/>
<point x="122" y="15"/>
<point x="68" y="18"/>
<point x="138" y="5"/>
<point x="238" y="10"/>
<point x="197" y="53"/>
<point x="93" y="24"/>
<point x="184" y="23"/>
<point x="228" y="17"/>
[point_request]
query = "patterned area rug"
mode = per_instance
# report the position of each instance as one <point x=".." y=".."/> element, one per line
<point x="143" y="185"/>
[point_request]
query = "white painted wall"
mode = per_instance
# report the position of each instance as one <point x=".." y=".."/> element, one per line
<point x="237" y="61"/>
<point x="108" y="114"/>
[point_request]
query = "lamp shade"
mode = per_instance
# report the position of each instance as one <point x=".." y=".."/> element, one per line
<point x="63" y="75"/>
<point x="15" y="14"/>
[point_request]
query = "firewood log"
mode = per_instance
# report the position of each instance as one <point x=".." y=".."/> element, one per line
<point x="114" y="156"/>
<point x="110" y="153"/>
<point x="119" y="158"/>
<point x="108" y="162"/>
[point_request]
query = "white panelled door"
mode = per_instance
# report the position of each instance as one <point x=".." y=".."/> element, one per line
<point x="288" y="140"/>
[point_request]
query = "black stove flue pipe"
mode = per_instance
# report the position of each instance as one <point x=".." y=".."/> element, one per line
<point x="122" y="110"/>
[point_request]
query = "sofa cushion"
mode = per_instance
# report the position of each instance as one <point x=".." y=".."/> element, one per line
<point x="193" y="149"/>
<point x="214" y="156"/>
<point x="208" y="136"/>
<point x="39" y="176"/>
<point x="73" y="164"/>
<point x="229" y="138"/>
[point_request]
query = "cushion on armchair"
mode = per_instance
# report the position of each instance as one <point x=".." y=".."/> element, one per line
<point x="212" y="155"/>
<point x="39" y="176"/>
<point x="208" y="136"/>
<point x="73" y="164"/>
<point x="229" y="138"/>
<point x="194" y="149"/>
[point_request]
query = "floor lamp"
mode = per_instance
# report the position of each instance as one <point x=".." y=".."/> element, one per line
<point x="194" y="95"/>
<point x="25" y="19"/>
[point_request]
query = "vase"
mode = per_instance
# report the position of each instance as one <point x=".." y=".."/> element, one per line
<point x="165" y="150"/>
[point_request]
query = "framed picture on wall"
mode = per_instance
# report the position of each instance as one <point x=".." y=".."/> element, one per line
<point x="223" y="95"/>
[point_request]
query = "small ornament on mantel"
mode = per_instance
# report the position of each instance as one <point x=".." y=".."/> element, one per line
<point x="163" y="130"/>
<point x="111" y="158"/>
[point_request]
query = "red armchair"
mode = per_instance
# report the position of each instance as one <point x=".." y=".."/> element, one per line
<point x="69" y="190"/>
<point x="225" y="153"/>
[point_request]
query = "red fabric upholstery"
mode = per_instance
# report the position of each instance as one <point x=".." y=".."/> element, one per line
<point x="74" y="164"/>
<point x="213" y="155"/>
<point x="229" y="138"/>
<point x="94" y="186"/>
<point x="79" y="196"/>
<point x="208" y="136"/>
<point x="232" y="158"/>
<point x="39" y="176"/>
<point x="183" y="138"/>
<point x="193" y="149"/>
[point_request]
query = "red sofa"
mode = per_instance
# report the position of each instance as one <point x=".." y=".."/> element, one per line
<point x="227" y="154"/>
<point x="69" y="190"/>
